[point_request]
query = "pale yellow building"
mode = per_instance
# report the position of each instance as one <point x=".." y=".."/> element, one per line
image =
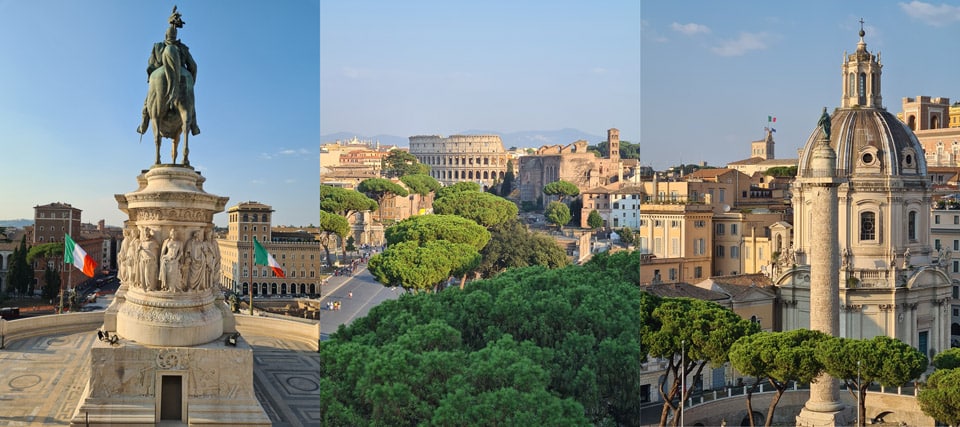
<point x="299" y="255"/>
<point x="677" y="239"/>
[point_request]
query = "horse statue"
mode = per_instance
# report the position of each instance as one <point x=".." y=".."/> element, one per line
<point x="169" y="106"/>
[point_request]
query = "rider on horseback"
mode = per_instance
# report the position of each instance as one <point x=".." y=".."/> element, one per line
<point x="172" y="55"/>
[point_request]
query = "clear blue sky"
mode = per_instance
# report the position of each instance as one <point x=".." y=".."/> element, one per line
<point x="419" y="67"/>
<point x="73" y="81"/>
<point x="712" y="71"/>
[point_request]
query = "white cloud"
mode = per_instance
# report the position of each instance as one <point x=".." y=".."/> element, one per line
<point x="931" y="14"/>
<point x="690" y="29"/>
<point x="741" y="45"/>
<point x="599" y="70"/>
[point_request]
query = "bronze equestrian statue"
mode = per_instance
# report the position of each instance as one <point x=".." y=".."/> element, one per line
<point x="169" y="106"/>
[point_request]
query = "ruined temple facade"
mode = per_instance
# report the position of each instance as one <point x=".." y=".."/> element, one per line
<point x="458" y="158"/>
<point x="572" y="163"/>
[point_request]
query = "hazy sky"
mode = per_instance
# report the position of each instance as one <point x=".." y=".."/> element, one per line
<point x="73" y="80"/>
<point x="439" y="67"/>
<point x="712" y="72"/>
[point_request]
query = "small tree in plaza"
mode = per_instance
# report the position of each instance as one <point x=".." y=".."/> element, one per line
<point x="558" y="214"/>
<point x="860" y="363"/>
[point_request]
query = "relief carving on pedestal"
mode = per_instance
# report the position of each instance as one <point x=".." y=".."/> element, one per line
<point x="172" y="358"/>
<point x="174" y="266"/>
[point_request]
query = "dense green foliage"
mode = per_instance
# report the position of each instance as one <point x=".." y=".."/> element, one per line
<point x="45" y="251"/>
<point x="427" y="228"/>
<point x="344" y="202"/>
<point x="628" y="150"/>
<point x="513" y="245"/>
<point x="399" y="163"/>
<point x="422" y="268"/>
<point x="558" y="214"/>
<point x="458" y="188"/>
<point x="947" y="359"/>
<point x="51" y="283"/>
<point x="485" y="209"/>
<point x="940" y="397"/>
<point x="778" y="357"/>
<point x="506" y="187"/>
<point x="782" y="171"/>
<point x="862" y="362"/>
<point x="529" y="347"/>
<point x="595" y="221"/>
<point x="19" y="271"/>
<point x="379" y="188"/>
<point x="333" y="228"/>
<point x="561" y="189"/>
<point x="420" y="184"/>
<point x="701" y="331"/>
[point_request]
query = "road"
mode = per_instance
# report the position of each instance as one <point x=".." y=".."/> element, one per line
<point x="367" y="293"/>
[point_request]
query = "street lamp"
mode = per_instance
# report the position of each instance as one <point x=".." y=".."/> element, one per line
<point x="858" y="393"/>
<point x="683" y="379"/>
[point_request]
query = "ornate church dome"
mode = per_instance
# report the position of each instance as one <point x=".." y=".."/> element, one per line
<point x="868" y="140"/>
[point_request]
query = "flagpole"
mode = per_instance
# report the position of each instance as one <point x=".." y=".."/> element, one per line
<point x="65" y="268"/>
<point x="253" y="257"/>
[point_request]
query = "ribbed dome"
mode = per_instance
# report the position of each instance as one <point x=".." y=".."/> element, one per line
<point x="868" y="142"/>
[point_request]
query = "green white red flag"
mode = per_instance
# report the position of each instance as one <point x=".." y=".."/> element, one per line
<point x="262" y="257"/>
<point x="74" y="254"/>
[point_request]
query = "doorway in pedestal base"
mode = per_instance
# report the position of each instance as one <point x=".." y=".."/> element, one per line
<point x="171" y="397"/>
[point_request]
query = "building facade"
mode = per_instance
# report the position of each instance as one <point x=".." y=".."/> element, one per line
<point x="890" y="279"/>
<point x="301" y="260"/>
<point x="571" y="163"/>
<point x="462" y="158"/>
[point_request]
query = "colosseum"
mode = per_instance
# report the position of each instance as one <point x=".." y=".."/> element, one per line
<point x="457" y="158"/>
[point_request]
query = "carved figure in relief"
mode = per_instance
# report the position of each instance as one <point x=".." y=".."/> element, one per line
<point x="906" y="258"/>
<point x="193" y="261"/>
<point x="147" y="257"/>
<point x="212" y="257"/>
<point x="129" y="267"/>
<point x="171" y="278"/>
<point x="122" y="260"/>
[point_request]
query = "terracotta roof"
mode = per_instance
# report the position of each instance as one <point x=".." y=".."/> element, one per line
<point x="674" y="290"/>
<point x="708" y="173"/>
<point x="738" y="285"/>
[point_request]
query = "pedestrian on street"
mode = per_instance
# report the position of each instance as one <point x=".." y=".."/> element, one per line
<point x="350" y="295"/>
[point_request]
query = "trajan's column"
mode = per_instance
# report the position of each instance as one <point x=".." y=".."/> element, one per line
<point x="168" y="351"/>
<point x="824" y="407"/>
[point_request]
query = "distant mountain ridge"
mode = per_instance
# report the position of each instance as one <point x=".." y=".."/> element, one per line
<point x="521" y="139"/>
<point x="17" y="223"/>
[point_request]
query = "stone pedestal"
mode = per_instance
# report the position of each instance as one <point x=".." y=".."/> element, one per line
<point x="170" y="351"/>
<point x="142" y="385"/>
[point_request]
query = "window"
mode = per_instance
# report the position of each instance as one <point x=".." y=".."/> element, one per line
<point x="723" y="195"/>
<point x="658" y="245"/>
<point x="956" y="289"/>
<point x="760" y="252"/>
<point x="868" y="226"/>
<point x="696" y="224"/>
<point x="956" y="269"/>
<point x="956" y="219"/>
<point x="698" y="247"/>
<point x="643" y="245"/>
<point x="719" y="251"/>
<point x="936" y="219"/>
<point x="734" y="252"/>
<point x="912" y="225"/>
<point x="733" y="229"/>
<point x="673" y="224"/>
<point x="936" y="244"/>
<point x="697" y="272"/>
<point x="956" y="245"/>
<point x="673" y="274"/>
<point x="675" y="246"/>
<point x="657" y="223"/>
<point x="720" y="229"/>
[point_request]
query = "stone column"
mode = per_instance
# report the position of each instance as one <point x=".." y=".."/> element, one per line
<point x="824" y="407"/>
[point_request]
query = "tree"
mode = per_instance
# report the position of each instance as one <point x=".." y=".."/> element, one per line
<point x="332" y="226"/>
<point x="695" y="331"/>
<point x="508" y="179"/>
<point x="512" y="245"/>
<point x="422" y="268"/>
<point x="557" y="213"/>
<point x="595" y="221"/>
<point x="561" y="189"/>
<point x="51" y="283"/>
<point x="399" y="163"/>
<point x="782" y="171"/>
<point x="344" y="202"/>
<point x="860" y="363"/>
<point x="379" y="188"/>
<point x="485" y="209"/>
<point x="422" y="185"/>
<point x="947" y="359"/>
<point x="350" y="244"/>
<point x="940" y="397"/>
<point x="427" y="228"/>
<point x="458" y="188"/>
<point x="19" y="272"/>
<point x="778" y="357"/>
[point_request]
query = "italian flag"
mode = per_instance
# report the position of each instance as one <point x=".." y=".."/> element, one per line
<point x="262" y="257"/>
<point x="74" y="254"/>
